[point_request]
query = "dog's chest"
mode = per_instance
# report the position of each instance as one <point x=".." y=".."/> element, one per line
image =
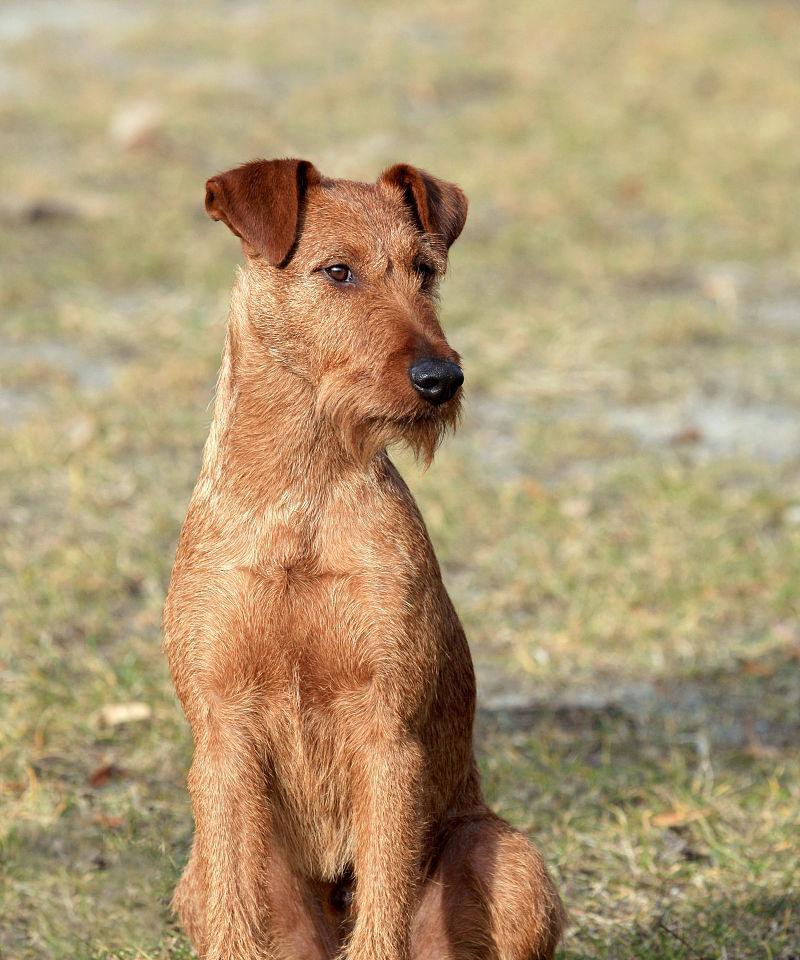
<point x="310" y="788"/>
<point x="315" y="630"/>
<point x="337" y="595"/>
<point x="328" y="625"/>
<point x="335" y="632"/>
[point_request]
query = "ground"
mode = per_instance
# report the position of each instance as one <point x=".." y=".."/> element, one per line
<point x="618" y="518"/>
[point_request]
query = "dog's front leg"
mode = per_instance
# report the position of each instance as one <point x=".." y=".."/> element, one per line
<point x="231" y="848"/>
<point x="389" y="825"/>
<point x="251" y="905"/>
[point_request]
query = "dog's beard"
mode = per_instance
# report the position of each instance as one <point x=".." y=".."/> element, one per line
<point x="365" y="430"/>
<point x="422" y="435"/>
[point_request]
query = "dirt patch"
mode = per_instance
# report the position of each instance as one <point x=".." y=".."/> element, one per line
<point x="45" y="360"/>
<point x="715" y="427"/>
<point x="89" y="373"/>
<point x="17" y="405"/>
<point x="18" y="21"/>
<point x="744" y="708"/>
<point x="492" y="426"/>
<point x="782" y="313"/>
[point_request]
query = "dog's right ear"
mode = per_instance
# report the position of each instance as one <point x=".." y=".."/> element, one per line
<point x="261" y="203"/>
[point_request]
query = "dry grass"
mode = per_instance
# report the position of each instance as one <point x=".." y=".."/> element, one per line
<point x="618" y="520"/>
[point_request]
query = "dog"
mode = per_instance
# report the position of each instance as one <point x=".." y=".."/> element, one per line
<point x="320" y="663"/>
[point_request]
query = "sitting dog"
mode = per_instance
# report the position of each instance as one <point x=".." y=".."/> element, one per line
<point x="319" y="660"/>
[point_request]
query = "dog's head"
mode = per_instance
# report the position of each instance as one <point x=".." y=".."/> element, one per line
<point x="343" y="279"/>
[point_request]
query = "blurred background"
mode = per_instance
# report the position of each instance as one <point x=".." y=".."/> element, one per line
<point x="618" y="519"/>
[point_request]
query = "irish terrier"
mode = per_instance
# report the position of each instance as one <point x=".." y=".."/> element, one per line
<point x="322" y="668"/>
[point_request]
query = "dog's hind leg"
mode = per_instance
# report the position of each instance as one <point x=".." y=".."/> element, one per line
<point x="488" y="897"/>
<point x="188" y="900"/>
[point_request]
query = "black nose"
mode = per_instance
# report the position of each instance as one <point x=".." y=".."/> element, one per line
<point x="436" y="380"/>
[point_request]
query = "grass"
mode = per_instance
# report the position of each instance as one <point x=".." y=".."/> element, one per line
<point x="618" y="519"/>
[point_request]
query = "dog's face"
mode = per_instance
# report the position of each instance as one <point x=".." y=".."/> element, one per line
<point x="344" y="280"/>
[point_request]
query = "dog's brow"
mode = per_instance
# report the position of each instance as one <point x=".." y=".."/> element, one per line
<point x="342" y="252"/>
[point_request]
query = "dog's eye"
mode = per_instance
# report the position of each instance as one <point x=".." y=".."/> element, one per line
<point x="340" y="273"/>
<point x="425" y="272"/>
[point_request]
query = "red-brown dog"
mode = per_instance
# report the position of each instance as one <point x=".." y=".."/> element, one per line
<point x="319" y="660"/>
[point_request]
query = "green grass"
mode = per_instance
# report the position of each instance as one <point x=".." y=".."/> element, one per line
<point x="618" y="519"/>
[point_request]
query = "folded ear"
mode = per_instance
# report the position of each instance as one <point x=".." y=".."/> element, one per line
<point x="439" y="207"/>
<point x="261" y="203"/>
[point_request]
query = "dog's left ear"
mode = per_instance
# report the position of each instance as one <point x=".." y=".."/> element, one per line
<point x="439" y="207"/>
<point x="261" y="202"/>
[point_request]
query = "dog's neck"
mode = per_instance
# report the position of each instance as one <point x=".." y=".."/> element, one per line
<point x="267" y="445"/>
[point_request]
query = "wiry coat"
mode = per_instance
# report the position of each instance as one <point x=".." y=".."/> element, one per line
<point x="320" y="663"/>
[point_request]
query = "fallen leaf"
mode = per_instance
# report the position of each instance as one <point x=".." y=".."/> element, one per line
<point x="104" y="774"/>
<point x="14" y="787"/>
<point x="576" y="508"/>
<point x="630" y="188"/>
<point x="791" y="514"/>
<point x="80" y="433"/>
<point x="723" y="286"/>
<point x="114" y="714"/>
<point x="761" y="751"/>
<point x="757" y="668"/>
<point x="535" y="490"/>
<point x="136" y="125"/>
<point x="678" y="816"/>
<point x="686" y="437"/>
<point x="105" y="820"/>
